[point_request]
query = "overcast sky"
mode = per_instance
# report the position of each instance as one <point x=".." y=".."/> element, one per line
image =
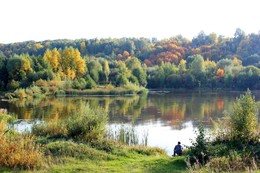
<point x="39" y="20"/>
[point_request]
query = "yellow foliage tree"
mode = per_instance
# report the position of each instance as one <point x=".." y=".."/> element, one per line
<point x="54" y="58"/>
<point x="210" y="66"/>
<point x="72" y="60"/>
<point x="106" y="70"/>
<point x="70" y="73"/>
<point x="236" y="61"/>
<point x="182" y="66"/>
<point x="80" y="65"/>
<point x="67" y="62"/>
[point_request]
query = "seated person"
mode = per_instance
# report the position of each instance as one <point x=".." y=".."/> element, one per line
<point x="178" y="149"/>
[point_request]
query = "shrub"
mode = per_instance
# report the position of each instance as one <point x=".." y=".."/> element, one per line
<point x="231" y="162"/>
<point x="240" y="129"/>
<point x="236" y="144"/>
<point x="20" y="93"/>
<point x="79" y="83"/>
<point x="17" y="151"/>
<point x="87" y="124"/>
<point x="20" y="152"/>
<point x="84" y="124"/>
<point x="135" y="88"/>
<point x="244" y="120"/>
<point x="199" y="151"/>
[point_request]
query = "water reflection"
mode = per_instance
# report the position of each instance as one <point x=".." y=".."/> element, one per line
<point x="171" y="109"/>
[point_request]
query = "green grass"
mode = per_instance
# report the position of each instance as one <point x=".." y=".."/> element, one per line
<point x="78" y="157"/>
<point x="136" y="163"/>
<point x="123" y="159"/>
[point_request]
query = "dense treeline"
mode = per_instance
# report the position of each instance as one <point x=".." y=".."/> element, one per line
<point x="210" y="61"/>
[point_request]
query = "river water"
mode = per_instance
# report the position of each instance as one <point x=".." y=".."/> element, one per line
<point x="165" y="116"/>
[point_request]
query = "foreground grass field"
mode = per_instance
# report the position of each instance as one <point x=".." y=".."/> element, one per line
<point x="66" y="158"/>
<point x="136" y="163"/>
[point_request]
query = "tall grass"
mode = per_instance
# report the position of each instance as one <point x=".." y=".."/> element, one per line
<point x="17" y="150"/>
<point x="62" y="88"/>
<point x="99" y="91"/>
<point x="136" y="88"/>
<point x="128" y="135"/>
<point x="21" y="93"/>
<point x="20" y="152"/>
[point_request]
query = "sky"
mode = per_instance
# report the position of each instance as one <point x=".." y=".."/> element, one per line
<point x="23" y="20"/>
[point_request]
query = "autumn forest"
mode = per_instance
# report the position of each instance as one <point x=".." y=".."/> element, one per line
<point x="206" y="61"/>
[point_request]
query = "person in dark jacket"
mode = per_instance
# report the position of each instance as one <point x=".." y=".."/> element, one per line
<point x="178" y="150"/>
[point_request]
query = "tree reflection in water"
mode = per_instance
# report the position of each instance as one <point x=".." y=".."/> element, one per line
<point x="170" y="108"/>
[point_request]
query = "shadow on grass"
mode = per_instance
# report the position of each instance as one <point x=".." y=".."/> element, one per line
<point x="168" y="165"/>
<point x="5" y="170"/>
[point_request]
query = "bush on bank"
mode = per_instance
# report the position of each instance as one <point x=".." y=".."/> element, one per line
<point x="84" y="124"/>
<point x="236" y="142"/>
<point x="17" y="151"/>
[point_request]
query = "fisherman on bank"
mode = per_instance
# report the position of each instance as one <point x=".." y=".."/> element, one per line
<point x="178" y="150"/>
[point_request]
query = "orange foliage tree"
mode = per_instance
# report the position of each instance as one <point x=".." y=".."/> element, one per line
<point x="220" y="73"/>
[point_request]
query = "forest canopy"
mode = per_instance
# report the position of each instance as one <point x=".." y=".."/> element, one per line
<point x="211" y="61"/>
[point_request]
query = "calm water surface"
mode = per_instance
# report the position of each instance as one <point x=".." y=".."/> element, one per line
<point x="167" y="117"/>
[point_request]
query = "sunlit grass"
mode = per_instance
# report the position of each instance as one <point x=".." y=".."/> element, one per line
<point x="157" y="164"/>
<point x="130" y="163"/>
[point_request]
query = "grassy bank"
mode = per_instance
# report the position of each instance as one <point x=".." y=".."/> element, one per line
<point x="122" y="159"/>
<point x="60" y="90"/>
<point x="102" y="91"/>
<point x="134" y="163"/>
